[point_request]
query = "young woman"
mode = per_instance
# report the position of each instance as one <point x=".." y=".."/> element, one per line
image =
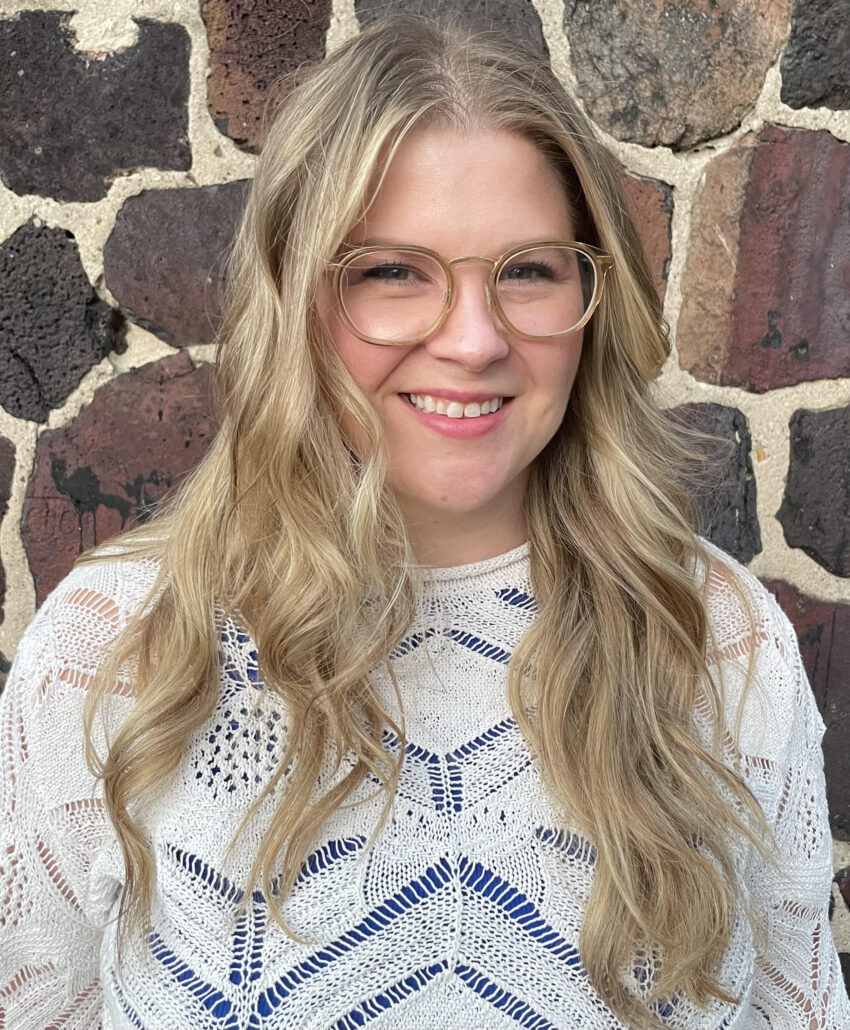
<point x="422" y="706"/>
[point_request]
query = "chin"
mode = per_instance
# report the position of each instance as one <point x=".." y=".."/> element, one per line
<point x="458" y="498"/>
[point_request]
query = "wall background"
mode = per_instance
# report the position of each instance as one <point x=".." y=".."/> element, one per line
<point x="128" y="130"/>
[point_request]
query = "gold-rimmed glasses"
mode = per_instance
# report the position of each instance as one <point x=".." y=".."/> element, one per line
<point x="397" y="296"/>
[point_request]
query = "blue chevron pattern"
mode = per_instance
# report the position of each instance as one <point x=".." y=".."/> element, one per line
<point x="232" y="634"/>
<point x="475" y="882"/>
<point x="445" y="772"/>
<point x="516" y="598"/>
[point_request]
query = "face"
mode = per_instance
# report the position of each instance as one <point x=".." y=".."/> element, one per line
<point x="464" y="194"/>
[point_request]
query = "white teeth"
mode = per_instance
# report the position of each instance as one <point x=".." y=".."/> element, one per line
<point x="454" y="409"/>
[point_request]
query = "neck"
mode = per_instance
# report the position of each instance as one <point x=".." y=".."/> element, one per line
<point x="441" y="539"/>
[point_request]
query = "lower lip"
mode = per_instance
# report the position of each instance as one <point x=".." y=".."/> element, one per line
<point x="459" y="428"/>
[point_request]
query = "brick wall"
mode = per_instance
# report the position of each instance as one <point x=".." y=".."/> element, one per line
<point x="128" y="130"/>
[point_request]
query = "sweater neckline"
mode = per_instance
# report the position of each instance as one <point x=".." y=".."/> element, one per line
<point x="517" y="556"/>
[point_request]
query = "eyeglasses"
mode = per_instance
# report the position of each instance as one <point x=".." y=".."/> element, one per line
<point x="400" y="296"/>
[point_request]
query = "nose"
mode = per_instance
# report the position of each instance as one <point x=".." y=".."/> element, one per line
<point x="472" y="335"/>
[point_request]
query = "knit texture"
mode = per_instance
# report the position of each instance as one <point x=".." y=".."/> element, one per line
<point x="463" y="915"/>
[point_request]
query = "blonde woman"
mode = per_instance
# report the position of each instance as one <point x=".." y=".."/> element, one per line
<point x="422" y="706"/>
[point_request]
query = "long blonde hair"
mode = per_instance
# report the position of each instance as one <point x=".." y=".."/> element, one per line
<point x="285" y="528"/>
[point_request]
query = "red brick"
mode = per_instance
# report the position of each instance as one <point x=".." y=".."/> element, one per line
<point x="823" y="630"/>
<point x="252" y="44"/>
<point x="766" y="287"/>
<point x="651" y="204"/>
<point x="164" y="260"/>
<point x="136" y="440"/>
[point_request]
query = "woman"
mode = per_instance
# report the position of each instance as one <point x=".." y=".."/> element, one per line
<point x="422" y="706"/>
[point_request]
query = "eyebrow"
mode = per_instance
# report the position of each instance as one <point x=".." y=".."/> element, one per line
<point x="379" y="241"/>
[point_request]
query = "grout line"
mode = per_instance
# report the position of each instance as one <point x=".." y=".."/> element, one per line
<point x="343" y="24"/>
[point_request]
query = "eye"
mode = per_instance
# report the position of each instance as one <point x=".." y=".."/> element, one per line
<point x="387" y="271"/>
<point x="527" y="271"/>
<point x="394" y="270"/>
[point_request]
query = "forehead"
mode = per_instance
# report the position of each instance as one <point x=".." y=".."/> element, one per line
<point x="458" y="191"/>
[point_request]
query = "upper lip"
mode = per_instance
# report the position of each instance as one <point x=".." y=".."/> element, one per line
<point x="462" y="396"/>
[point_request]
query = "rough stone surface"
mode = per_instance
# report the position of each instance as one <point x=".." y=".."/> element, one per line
<point x="7" y="469"/>
<point x="651" y="203"/>
<point x="53" y="326"/>
<point x="517" y="18"/>
<point x="71" y="122"/>
<point x="815" y="511"/>
<point x="672" y="72"/>
<point x="816" y="62"/>
<point x="252" y="44"/>
<point x="723" y="488"/>
<point x="842" y="879"/>
<point x="139" y="436"/>
<point x="766" y="287"/>
<point x="164" y="261"/>
<point x="823" y="630"/>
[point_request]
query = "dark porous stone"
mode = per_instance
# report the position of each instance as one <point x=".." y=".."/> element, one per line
<point x="651" y="204"/>
<point x="515" y="18"/>
<point x="842" y="881"/>
<point x="766" y="286"/>
<point x="823" y="630"/>
<point x="816" y="63"/>
<point x="844" y="960"/>
<point x="5" y="666"/>
<point x="252" y="44"/>
<point x="108" y="468"/>
<point x="672" y="73"/>
<point x="815" y="511"/>
<point x="7" y="470"/>
<point x="723" y="487"/>
<point x="164" y="260"/>
<point x="53" y="326"/>
<point x="71" y="122"/>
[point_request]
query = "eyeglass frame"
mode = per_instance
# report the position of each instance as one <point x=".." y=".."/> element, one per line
<point x="600" y="260"/>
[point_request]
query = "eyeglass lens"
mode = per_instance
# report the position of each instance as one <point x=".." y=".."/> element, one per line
<point x="395" y="295"/>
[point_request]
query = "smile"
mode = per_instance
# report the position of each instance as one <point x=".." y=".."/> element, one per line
<point x="454" y="409"/>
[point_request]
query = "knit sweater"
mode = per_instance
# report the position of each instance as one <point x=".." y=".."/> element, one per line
<point x="464" y="914"/>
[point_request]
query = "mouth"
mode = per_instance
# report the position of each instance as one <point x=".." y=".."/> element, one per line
<point x="431" y="405"/>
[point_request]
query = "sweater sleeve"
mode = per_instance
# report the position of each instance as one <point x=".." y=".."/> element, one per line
<point x="54" y="826"/>
<point x="798" y="982"/>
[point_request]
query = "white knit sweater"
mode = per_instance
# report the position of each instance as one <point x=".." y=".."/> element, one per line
<point x="466" y="911"/>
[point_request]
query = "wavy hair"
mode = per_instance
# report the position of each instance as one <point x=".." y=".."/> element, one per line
<point x="288" y="529"/>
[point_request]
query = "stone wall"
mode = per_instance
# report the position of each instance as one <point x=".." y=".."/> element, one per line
<point x="128" y="130"/>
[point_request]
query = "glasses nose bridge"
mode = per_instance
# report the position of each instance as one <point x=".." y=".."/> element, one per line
<point x="472" y="257"/>
<point x="488" y="285"/>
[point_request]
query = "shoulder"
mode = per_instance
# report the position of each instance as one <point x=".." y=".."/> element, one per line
<point x="753" y="650"/>
<point x="79" y="620"/>
<point x="57" y="660"/>
<point x="101" y="594"/>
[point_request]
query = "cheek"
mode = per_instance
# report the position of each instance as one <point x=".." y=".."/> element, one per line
<point x="560" y="371"/>
<point x="369" y="366"/>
